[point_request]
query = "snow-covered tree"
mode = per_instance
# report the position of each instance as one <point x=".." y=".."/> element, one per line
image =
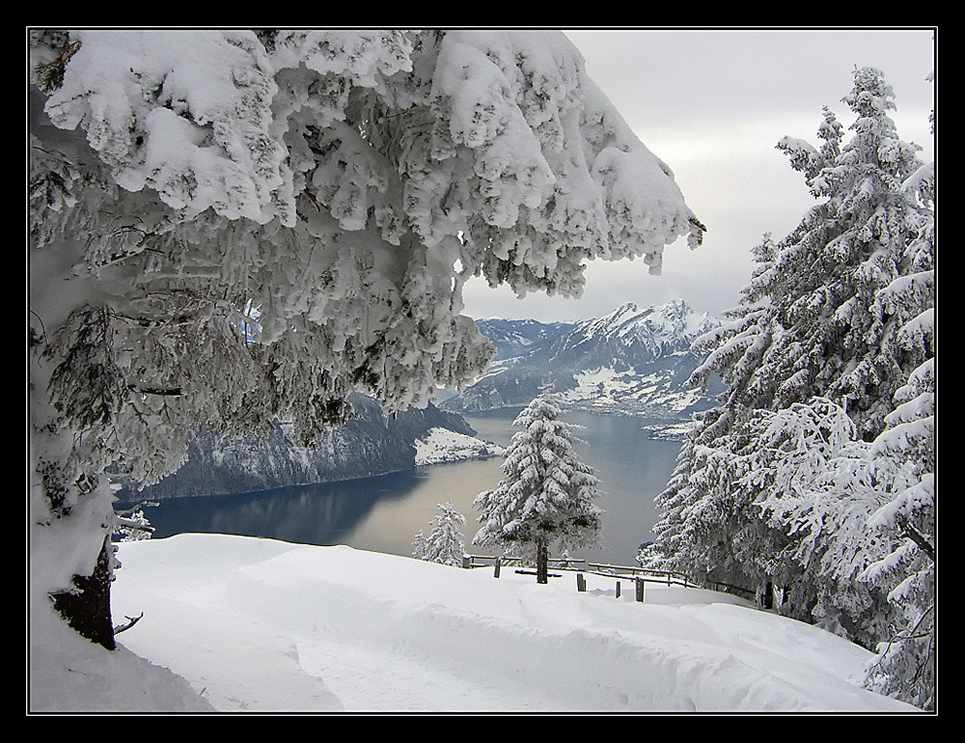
<point x="132" y="525"/>
<point x="545" y="498"/>
<point x="819" y="484"/>
<point x="787" y="480"/>
<point x="419" y="545"/>
<point x="228" y="227"/>
<point x="905" y="455"/>
<point x="734" y="351"/>
<point x="445" y="543"/>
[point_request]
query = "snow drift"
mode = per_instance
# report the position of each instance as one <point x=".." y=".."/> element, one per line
<point x="258" y="625"/>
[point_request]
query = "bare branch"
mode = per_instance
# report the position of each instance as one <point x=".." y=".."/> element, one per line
<point x="160" y="391"/>
<point x="131" y="621"/>
<point x="919" y="539"/>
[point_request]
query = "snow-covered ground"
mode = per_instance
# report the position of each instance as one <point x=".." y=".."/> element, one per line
<point x="442" y="445"/>
<point x="236" y="624"/>
<point x="606" y="390"/>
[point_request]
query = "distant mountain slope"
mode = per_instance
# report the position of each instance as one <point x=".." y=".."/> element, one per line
<point x="514" y="338"/>
<point x="372" y="444"/>
<point x="632" y="361"/>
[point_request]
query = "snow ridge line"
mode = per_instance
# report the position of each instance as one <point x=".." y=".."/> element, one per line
<point x="579" y="669"/>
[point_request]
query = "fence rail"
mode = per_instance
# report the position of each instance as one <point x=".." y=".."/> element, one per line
<point x="649" y="575"/>
<point x="627" y="572"/>
<point x="728" y="588"/>
<point x="487" y="561"/>
<point x="638" y="575"/>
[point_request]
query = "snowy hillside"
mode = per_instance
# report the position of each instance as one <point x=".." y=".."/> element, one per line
<point x="633" y="361"/>
<point x="442" y="445"/>
<point x="255" y="625"/>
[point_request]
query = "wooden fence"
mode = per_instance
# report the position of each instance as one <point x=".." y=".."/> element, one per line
<point x="648" y="575"/>
<point x="638" y="575"/>
<point x="746" y="593"/>
<point x="625" y="572"/>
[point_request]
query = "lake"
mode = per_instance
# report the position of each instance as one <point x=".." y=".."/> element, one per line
<point x="384" y="514"/>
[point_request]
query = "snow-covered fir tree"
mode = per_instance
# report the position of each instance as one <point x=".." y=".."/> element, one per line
<point x="419" y="545"/>
<point x="905" y="454"/>
<point x="231" y="227"/>
<point x="806" y="475"/>
<point x="545" y="498"/>
<point x="445" y="543"/>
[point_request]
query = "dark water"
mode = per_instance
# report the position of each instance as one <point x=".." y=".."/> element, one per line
<point x="383" y="514"/>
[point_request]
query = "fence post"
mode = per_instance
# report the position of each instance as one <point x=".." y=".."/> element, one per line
<point x="640" y="589"/>
<point x="542" y="563"/>
<point x="618" y="589"/>
<point x="496" y="568"/>
<point x="767" y="600"/>
<point x="580" y="582"/>
<point x="466" y="561"/>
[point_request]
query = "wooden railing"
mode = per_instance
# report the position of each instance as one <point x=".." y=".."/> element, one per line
<point x="649" y="575"/>
<point x="638" y="575"/>
<point x="626" y="572"/>
<point x="555" y="563"/>
<point x="747" y="593"/>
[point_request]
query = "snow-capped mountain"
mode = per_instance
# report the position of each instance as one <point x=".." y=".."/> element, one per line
<point x="373" y="443"/>
<point x="514" y="338"/>
<point x="632" y="361"/>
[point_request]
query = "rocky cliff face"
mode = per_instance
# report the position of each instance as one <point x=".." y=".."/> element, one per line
<point x="632" y="361"/>
<point x="371" y="444"/>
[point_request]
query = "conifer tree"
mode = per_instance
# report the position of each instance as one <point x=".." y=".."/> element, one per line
<point x="445" y="543"/>
<point x="546" y="496"/>
<point x="904" y="455"/>
<point x="227" y="227"/>
<point x="782" y="482"/>
<point x="419" y="545"/>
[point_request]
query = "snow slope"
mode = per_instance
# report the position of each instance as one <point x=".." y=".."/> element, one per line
<point x="441" y="445"/>
<point x="256" y="625"/>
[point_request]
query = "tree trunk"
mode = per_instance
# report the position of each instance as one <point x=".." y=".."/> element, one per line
<point x="87" y="609"/>
<point x="542" y="563"/>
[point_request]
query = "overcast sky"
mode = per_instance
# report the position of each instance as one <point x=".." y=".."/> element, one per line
<point x="712" y="104"/>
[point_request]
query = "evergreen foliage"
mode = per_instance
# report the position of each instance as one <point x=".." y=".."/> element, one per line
<point x="816" y="471"/>
<point x="228" y="228"/>
<point x="445" y="543"/>
<point x="545" y="498"/>
<point x="419" y="545"/>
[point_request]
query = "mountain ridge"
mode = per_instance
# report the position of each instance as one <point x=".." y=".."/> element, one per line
<point x="631" y="361"/>
<point x="518" y="337"/>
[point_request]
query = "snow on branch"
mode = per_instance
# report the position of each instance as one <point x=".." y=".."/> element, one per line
<point x="339" y="186"/>
<point x="519" y="139"/>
